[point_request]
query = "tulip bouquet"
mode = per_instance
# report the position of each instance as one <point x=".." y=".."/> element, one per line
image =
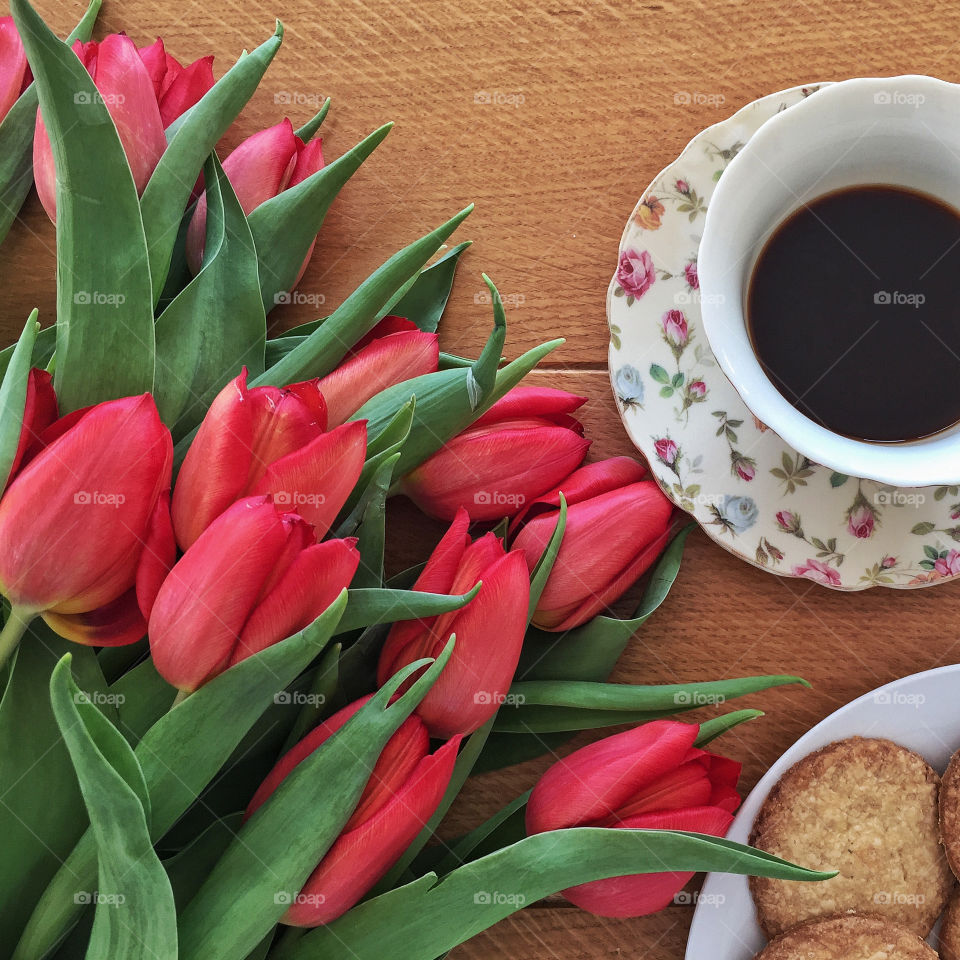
<point x="225" y="732"/>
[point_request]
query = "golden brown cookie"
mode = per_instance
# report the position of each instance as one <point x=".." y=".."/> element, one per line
<point x="950" y="812"/>
<point x="868" y="809"/>
<point x="949" y="944"/>
<point x="847" y="937"/>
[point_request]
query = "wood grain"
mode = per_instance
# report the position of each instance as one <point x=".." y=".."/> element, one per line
<point x="582" y="116"/>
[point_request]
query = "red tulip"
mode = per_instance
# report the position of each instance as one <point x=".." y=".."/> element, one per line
<point x="405" y="788"/>
<point x="651" y="777"/>
<point x="39" y="413"/>
<point x="489" y="630"/>
<point x="144" y="91"/>
<point x="262" y="166"/>
<point x="93" y="494"/>
<point x="253" y="577"/>
<point x="267" y="440"/>
<point x="15" y="74"/>
<point x="524" y="445"/>
<point x="617" y="524"/>
<point x="378" y="363"/>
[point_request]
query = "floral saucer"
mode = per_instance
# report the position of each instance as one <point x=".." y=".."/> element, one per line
<point x="753" y="494"/>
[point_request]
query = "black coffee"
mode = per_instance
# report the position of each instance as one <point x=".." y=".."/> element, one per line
<point x="854" y="312"/>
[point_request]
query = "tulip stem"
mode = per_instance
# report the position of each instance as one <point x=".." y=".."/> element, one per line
<point x="180" y="697"/>
<point x="12" y="632"/>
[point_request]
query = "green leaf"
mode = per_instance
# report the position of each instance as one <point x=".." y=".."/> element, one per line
<point x="13" y="398"/>
<point x="310" y="128"/>
<point x="216" y="324"/>
<point x="16" y="137"/>
<point x="716" y="726"/>
<point x="189" y="867"/>
<point x="41" y="816"/>
<point x="180" y="755"/>
<point x="43" y="347"/>
<point x="541" y="572"/>
<point x="371" y="531"/>
<point x="367" y="607"/>
<point x="241" y="900"/>
<point x="659" y="374"/>
<point x="931" y="552"/>
<point x="426" y="300"/>
<point x="922" y="529"/>
<point x="135" y="917"/>
<point x="193" y="139"/>
<point x="556" y="705"/>
<point x="321" y="694"/>
<point x="104" y="302"/>
<point x="285" y="226"/>
<point x="356" y="316"/>
<point x="838" y="479"/>
<point x="429" y="916"/>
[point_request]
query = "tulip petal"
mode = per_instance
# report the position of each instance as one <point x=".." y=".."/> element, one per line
<point x="39" y="412"/>
<point x="128" y="93"/>
<point x="309" y="160"/>
<point x="645" y="893"/>
<point x="389" y="324"/>
<point x="158" y="556"/>
<point x="184" y="88"/>
<point x="546" y="402"/>
<point x="312" y="582"/>
<point x="492" y="472"/>
<point x="385" y="362"/>
<point x="154" y="59"/>
<point x="13" y="65"/>
<point x="88" y="496"/>
<point x="437" y="577"/>
<point x="490" y="631"/>
<point x="44" y="169"/>
<point x="592" y="783"/>
<point x="360" y="857"/>
<point x="316" y="480"/>
<point x="584" y="483"/>
<point x="208" y="596"/>
<point x="113" y="625"/>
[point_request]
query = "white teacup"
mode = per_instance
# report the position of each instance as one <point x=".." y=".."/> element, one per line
<point x="903" y="131"/>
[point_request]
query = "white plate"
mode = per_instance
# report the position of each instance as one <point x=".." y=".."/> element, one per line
<point x="921" y="712"/>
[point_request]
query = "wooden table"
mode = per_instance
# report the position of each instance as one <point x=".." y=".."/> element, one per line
<point x="583" y="117"/>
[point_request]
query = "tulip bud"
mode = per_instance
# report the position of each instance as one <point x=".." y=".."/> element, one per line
<point x="15" y="74"/>
<point x="94" y="491"/>
<point x="252" y="578"/>
<point x="489" y="630"/>
<point x="404" y="790"/>
<point x="651" y="777"/>
<point x="524" y="445"/>
<point x="260" y="168"/>
<point x="267" y="440"/>
<point x="379" y="363"/>
<point x="144" y="90"/>
<point x="617" y="524"/>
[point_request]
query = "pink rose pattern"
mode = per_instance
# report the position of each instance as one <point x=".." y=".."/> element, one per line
<point x="636" y="274"/>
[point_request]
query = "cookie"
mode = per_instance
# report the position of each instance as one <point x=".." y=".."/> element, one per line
<point x="847" y="937"/>
<point x="868" y="809"/>
<point x="950" y="812"/>
<point x="949" y="944"/>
